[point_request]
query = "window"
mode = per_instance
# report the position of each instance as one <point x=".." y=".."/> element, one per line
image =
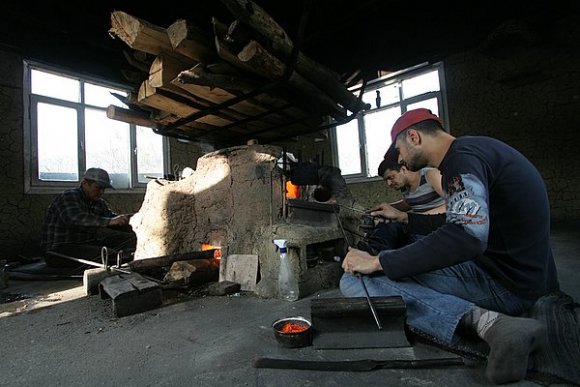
<point x="69" y="131"/>
<point x="360" y="144"/>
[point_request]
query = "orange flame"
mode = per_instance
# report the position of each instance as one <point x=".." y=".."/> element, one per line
<point x="207" y="246"/>
<point x="292" y="190"/>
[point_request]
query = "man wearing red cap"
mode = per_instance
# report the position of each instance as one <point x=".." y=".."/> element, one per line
<point x="490" y="260"/>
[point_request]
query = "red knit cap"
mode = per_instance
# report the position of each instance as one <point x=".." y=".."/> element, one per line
<point x="410" y="118"/>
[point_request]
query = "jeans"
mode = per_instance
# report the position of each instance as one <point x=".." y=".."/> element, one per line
<point x="436" y="301"/>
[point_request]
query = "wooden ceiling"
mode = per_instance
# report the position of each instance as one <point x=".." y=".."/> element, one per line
<point x="349" y="40"/>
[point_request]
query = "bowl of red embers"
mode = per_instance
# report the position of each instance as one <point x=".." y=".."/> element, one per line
<point x="293" y="332"/>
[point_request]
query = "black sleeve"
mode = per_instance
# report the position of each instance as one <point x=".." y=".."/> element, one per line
<point x="424" y="224"/>
<point x="446" y="246"/>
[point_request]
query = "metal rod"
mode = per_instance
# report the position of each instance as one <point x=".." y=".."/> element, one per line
<point x="369" y="301"/>
<point x="352" y="208"/>
<point x="371" y="305"/>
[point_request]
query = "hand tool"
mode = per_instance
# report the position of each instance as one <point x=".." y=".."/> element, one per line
<point x="355" y="365"/>
<point x="371" y="306"/>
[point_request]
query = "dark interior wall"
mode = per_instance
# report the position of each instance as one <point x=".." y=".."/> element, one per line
<point x="524" y="89"/>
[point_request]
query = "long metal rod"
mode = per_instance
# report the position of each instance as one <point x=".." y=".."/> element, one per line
<point x="103" y="266"/>
<point x="91" y="263"/>
<point x="371" y="305"/>
<point x="369" y="301"/>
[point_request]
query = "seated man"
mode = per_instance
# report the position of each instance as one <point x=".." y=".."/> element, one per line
<point x="74" y="219"/>
<point x="486" y="265"/>
<point x="422" y="194"/>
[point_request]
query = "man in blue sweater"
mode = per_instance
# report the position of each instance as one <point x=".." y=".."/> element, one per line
<point x="489" y="261"/>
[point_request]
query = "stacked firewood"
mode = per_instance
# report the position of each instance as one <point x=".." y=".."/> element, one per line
<point x="246" y="81"/>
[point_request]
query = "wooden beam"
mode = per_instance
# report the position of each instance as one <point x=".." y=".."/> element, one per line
<point x="131" y="116"/>
<point x="191" y="42"/>
<point x="282" y="46"/>
<point x="267" y="65"/>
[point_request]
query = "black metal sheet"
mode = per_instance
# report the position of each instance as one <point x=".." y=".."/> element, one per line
<point x="345" y="323"/>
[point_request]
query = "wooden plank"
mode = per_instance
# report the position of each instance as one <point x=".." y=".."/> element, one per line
<point x="156" y="98"/>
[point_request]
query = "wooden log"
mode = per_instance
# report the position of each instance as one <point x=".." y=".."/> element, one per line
<point x="164" y="74"/>
<point x="142" y="35"/>
<point x="254" y="16"/>
<point x="285" y="111"/>
<point x="131" y="116"/>
<point x="281" y="97"/>
<point x="140" y="118"/>
<point x="165" y="101"/>
<point x="295" y="82"/>
<point x="166" y="260"/>
<point x="139" y="34"/>
<point x="267" y="65"/>
<point x="191" y="42"/>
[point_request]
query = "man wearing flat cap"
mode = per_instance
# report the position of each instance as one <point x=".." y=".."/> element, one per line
<point x="488" y="262"/>
<point x="75" y="219"/>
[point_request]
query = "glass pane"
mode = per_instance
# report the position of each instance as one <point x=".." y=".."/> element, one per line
<point x="378" y="136"/>
<point x="348" y="147"/>
<point x="55" y="86"/>
<point x="389" y="94"/>
<point x="430" y="104"/>
<point x="421" y="84"/>
<point x="101" y="96"/>
<point x="107" y="146"/>
<point x="57" y="143"/>
<point x="149" y="154"/>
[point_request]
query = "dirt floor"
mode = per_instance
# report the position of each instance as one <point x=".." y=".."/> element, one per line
<point x="60" y="337"/>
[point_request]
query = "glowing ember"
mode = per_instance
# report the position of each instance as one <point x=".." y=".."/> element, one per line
<point x="291" y="327"/>
<point x="218" y="252"/>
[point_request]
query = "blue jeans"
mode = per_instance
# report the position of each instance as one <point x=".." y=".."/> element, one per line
<point x="436" y="301"/>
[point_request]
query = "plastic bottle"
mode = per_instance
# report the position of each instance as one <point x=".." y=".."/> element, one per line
<point x="287" y="284"/>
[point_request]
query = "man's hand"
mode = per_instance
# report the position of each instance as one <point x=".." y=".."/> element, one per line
<point x="361" y="262"/>
<point x="387" y="211"/>
<point x="119" y="220"/>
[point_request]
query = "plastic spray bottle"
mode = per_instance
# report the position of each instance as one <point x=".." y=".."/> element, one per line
<point x="287" y="284"/>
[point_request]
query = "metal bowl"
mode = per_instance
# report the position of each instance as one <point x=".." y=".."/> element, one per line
<point x="293" y="340"/>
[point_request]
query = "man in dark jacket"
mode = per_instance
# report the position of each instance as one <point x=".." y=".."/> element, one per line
<point x="74" y="219"/>
<point x="489" y="261"/>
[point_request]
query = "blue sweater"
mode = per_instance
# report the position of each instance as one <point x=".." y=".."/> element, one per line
<point x="498" y="214"/>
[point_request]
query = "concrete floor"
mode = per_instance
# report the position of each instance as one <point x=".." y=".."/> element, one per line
<point x="61" y="338"/>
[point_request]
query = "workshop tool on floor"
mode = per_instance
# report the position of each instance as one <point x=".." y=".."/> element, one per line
<point x="355" y="365"/>
<point x="344" y="323"/>
<point x="362" y="281"/>
<point x="131" y="293"/>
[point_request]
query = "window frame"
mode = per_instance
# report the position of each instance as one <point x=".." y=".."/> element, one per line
<point x="30" y="103"/>
<point x="395" y="78"/>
